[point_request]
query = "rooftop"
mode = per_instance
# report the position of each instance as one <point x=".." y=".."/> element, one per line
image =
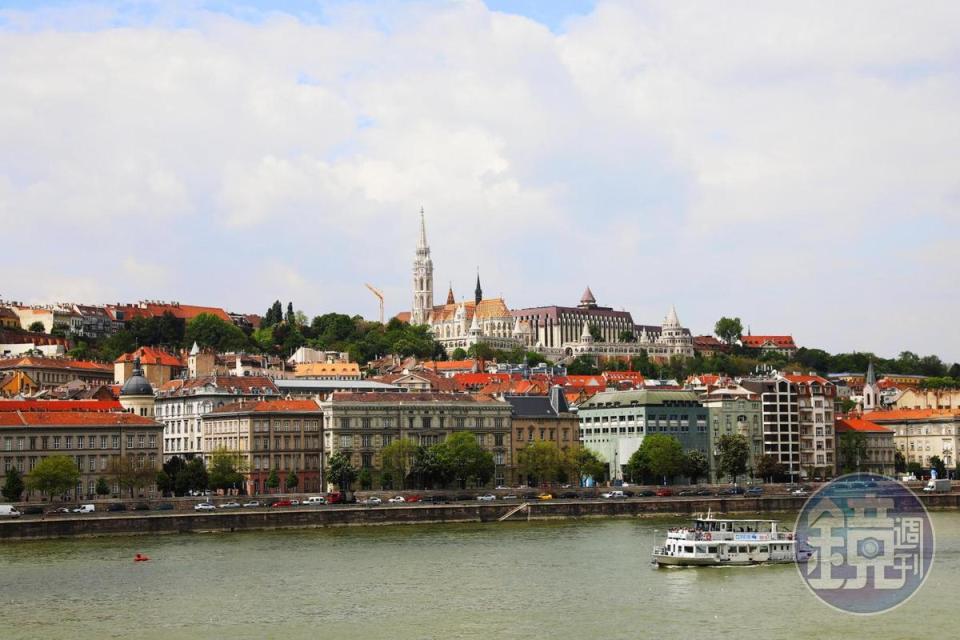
<point x="73" y="418"/>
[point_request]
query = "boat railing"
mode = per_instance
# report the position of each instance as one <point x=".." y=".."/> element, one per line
<point x="696" y="535"/>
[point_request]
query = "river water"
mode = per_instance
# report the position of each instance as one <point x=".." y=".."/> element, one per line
<point x="573" y="579"/>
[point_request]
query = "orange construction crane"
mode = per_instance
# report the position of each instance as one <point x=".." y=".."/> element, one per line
<point x="379" y="295"/>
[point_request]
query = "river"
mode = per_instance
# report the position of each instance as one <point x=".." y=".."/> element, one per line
<point x="571" y="579"/>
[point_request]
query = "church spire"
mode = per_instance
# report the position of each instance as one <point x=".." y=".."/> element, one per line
<point x="422" y="242"/>
<point x="450" y="298"/>
<point x="478" y="292"/>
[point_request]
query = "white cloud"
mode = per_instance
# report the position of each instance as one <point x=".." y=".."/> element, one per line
<point x="653" y="150"/>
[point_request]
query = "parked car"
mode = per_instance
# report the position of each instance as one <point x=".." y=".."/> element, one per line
<point x="372" y="501"/>
<point x="800" y="492"/>
<point x="754" y="491"/>
<point x="413" y="498"/>
<point x="570" y="495"/>
<point x="59" y="510"/>
<point x="252" y="503"/>
<point x="294" y="503"/>
<point x="613" y="495"/>
<point x="281" y="503"/>
<point x="439" y="499"/>
<point x="647" y="493"/>
<point x="731" y="491"/>
<point x="9" y="511"/>
<point x="204" y="506"/>
<point x="545" y="496"/>
<point x="397" y="500"/>
<point x="509" y="496"/>
<point x="487" y="497"/>
<point x="163" y="506"/>
<point x="33" y="510"/>
<point x="141" y="506"/>
<point x="315" y="500"/>
<point x="230" y="505"/>
<point x="336" y="497"/>
<point x="704" y="492"/>
<point x="664" y="492"/>
<point x="86" y="508"/>
<point x="464" y="496"/>
<point x="687" y="492"/>
<point x="116" y="506"/>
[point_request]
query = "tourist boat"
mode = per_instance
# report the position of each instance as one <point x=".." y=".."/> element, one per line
<point x="711" y="541"/>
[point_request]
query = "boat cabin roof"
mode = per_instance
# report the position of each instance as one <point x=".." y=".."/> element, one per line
<point x="731" y="520"/>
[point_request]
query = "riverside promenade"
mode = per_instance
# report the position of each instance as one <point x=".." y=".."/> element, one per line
<point x="153" y="523"/>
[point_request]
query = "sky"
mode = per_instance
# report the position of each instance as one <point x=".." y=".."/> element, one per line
<point x="792" y="164"/>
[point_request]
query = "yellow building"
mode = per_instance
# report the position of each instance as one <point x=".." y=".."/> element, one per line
<point x="328" y="370"/>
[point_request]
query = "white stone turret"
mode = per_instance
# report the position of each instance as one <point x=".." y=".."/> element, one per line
<point x="422" y="279"/>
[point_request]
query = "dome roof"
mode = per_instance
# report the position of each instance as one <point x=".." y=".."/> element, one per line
<point x="137" y="384"/>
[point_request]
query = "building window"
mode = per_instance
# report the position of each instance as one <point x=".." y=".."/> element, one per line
<point x="366" y="460"/>
<point x="344" y="423"/>
<point x="56" y="442"/>
<point x="346" y="442"/>
<point x="426" y="422"/>
<point x="366" y="440"/>
<point x="498" y="439"/>
<point x="365" y="423"/>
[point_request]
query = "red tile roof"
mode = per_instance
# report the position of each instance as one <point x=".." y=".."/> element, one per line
<point x="475" y="379"/>
<point x="244" y="384"/>
<point x="409" y="398"/>
<point x="269" y="406"/>
<point x="72" y="418"/>
<point x="586" y="381"/>
<point x="37" y="362"/>
<point x="903" y="415"/>
<point x="845" y="425"/>
<point x="450" y="365"/>
<point x="807" y="379"/>
<point x="781" y="342"/>
<point x="59" y="405"/>
<point x="152" y="355"/>
<point x="183" y="311"/>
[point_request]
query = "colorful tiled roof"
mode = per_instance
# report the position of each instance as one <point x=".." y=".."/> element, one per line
<point x="222" y="384"/>
<point x="905" y="415"/>
<point x="152" y="356"/>
<point x="73" y="418"/>
<point x="37" y="362"/>
<point x="268" y="406"/>
<point x="314" y="369"/>
<point x="59" y="405"/>
<point x="411" y="398"/>
<point x="756" y="342"/>
<point x="860" y="425"/>
<point x="806" y="379"/>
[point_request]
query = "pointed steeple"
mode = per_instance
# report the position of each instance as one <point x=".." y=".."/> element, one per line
<point x="871" y="375"/>
<point x="672" y="320"/>
<point x="422" y="242"/>
<point x="478" y="292"/>
<point x="474" y="326"/>
<point x="585" y="335"/>
<point x="587" y="300"/>
<point x="450" y="298"/>
<point x="195" y="349"/>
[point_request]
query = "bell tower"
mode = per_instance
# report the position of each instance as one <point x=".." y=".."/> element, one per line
<point x="422" y="279"/>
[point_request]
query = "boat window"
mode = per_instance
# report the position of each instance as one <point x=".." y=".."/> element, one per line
<point x="701" y="548"/>
<point x="713" y="548"/>
<point x="764" y="549"/>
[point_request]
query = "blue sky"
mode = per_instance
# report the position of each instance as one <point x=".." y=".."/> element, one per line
<point x="794" y="166"/>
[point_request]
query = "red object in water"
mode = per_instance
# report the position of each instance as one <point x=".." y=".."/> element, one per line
<point x="140" y="558"/>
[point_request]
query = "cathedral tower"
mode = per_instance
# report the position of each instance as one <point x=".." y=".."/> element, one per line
<point x="422" y="279"/>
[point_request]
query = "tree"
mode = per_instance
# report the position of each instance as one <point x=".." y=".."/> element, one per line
<point x="273" y="480"/>
<point x="595" y="333"/>
<point x="458" y="354"/>
<point x="468" y="460"/>
<point x="936" y="464"/>
<point x="365" y="478"/>
<point x="660" y="455"/>
<point x="224" y="470"/>
<point x="53" y="475"/>
<point x="899" y="462"/>
<point x="432" y="466"/>
<point x="192" y="477"/>
<point x="768" y="467"/>
<point x="541" y="460"/>
<point x="915" y="469"/>
<point x="165" y="484"/>
<point x="696" y="465"/>
<point x="583" y="463"/>
<point x="728" y="329"/>
<point x="130" y="473"/>
<point x="627" y="336"/>
<point x="292" y="481"/>
<point x="37" y="327"/>
<point x="14" y="486"/>
<point x="207" y="330"/>
<point x="102" y="488"/>
<point x="582" y="366"/>
<point x="398" y="458"/>
<point x="734" y="453"/>
<point x="852" y="451"/>
<point x="340" y="472"/>
<point x="481" y="351"/>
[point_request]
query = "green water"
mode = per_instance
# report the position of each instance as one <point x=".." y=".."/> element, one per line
<point x="576" y="579"/>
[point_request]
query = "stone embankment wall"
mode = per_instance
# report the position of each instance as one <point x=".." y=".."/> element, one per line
<point x="34" y="528"/>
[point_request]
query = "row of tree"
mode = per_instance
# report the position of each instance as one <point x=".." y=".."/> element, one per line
<point x="57" y="475"/>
